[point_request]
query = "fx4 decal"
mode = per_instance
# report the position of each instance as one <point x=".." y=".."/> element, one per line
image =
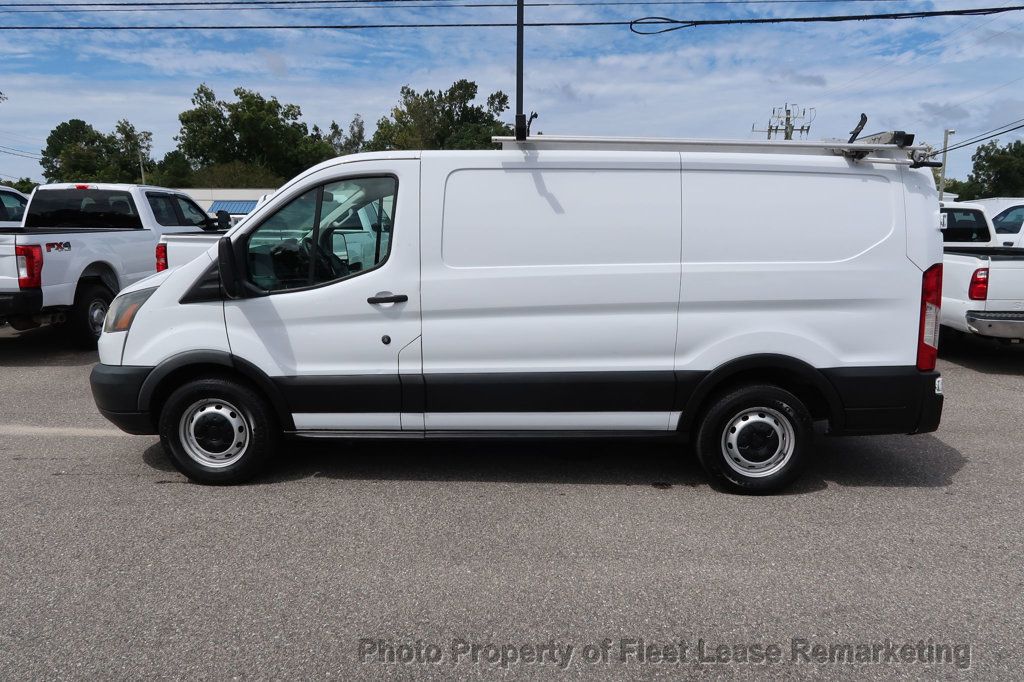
<point x="58" y="246"/>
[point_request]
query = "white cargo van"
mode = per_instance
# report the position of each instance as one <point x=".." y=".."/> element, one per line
<point x="729" y="292"/>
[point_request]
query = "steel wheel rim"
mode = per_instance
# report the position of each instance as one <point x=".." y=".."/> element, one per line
<point x="758" y="442"/>
<point x="96" y="314"/>
<point x="204" y="428"/>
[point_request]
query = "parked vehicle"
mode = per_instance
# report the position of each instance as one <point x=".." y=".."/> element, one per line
<point x="1007" y="215"/>
<point x="561" y="286"/>
<point x="966" y="224"/>
<point x="80" y="244"/>
<point x="12" y="207"/>
<point x="983" y="282"/>
<point x="178" y="249"/>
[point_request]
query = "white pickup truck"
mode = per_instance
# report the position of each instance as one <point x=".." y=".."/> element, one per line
<point x="78" y="245"/>
<point x="177" y="249"/>
<point x="982" y="281"/>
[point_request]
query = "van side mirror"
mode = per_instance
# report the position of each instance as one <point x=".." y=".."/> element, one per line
<point x="223" y="220"/>
<point x="943" y="221"/>
<point x="230" y="277"/>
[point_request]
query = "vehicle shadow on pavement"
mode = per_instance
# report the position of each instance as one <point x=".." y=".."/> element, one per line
<point x="49" y="346"/>
<point x="883" y="461"/>
<point x="920" y="461"/>
<point x="983" y="355"/>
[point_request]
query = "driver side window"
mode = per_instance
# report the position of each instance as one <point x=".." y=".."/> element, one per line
<point x="279" y="249"/>
<point x="331" y="232"/>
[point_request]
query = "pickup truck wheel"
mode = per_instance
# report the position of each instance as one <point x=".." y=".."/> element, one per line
<point x="755" y="439"/>
<point x="91" y="304"/>
<point x="218" y="431"/>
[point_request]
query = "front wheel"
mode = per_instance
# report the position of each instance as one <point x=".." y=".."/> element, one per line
<point x="218" y="431"/>
<point x="755" y="439"/>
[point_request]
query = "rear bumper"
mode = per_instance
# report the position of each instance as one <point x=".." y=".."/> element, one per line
<point x="115" y="389"/>
<point x="877" y="400"/>
<point x="996" y="325"/>
<point x="17" y="303"/>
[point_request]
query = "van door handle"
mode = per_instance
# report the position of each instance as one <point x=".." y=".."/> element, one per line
<point x="389" y="298"/>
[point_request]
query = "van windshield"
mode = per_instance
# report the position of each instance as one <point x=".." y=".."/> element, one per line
<point x="94" y="208"/>
<point x="965" y="225"/>
<point x="1009" y="221"/>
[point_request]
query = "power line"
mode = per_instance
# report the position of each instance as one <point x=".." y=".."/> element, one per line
<point x="677" y="24"/>
<point x="20" y="151"/>
<point x="906" y="73"/>
<point x="888" y="67"/>
<point x="987" y="135"/>
<point x="256" y="3"/>
<point x="673" y="24"/>
<point x="430" y="4"/>
<point x="23" y="156"/>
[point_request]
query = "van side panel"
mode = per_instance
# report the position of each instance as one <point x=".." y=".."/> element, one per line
<point x="802" y="256"/>
<point x="550" y="282"/>
<point x="921" y="204"/>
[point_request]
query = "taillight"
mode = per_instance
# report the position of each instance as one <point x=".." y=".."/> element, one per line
<point x="978" y="290"/>
<point x="30" y="266"/>
<point x="161" y="257"/>
<point x="931" y="303"/>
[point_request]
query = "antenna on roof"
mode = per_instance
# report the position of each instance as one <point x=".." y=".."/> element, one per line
<point x="522" y="126"/>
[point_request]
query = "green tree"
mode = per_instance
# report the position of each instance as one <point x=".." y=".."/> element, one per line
<point x="173" y="170"/>
<point x="998" y="171"/>
<point x="236" y="174"/>
<point x="442" y="120"/>
<point x="23" y="185"/>
<point x="995" y="172"/>
<point x="76" y="150"/>
<point x="253" y="130"/>
<point x="352" y="142"/>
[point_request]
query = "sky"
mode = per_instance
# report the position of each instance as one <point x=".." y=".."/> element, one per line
<point x="921" y="75"/>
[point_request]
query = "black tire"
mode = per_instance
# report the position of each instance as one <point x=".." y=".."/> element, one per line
<point x="86" y="320"/>
<point x="213" y="428"/>
<point x="760" y="424"/>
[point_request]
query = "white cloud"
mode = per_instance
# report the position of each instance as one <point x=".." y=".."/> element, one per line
<point x="920" y="76"/>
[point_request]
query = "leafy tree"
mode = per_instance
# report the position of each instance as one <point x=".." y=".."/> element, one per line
<point x="252" y="129"/>
<point x="173" y="170"/>
<point x="236" y="174"/>
<point x="23" y="185"/>
<point x="75" y="150"/>
<point x="351" y="143"/>
<point x="996" y="172"/>
<point x="442" y="120"/>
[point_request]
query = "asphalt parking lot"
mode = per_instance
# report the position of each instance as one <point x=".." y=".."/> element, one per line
<point x="115" y="566"/>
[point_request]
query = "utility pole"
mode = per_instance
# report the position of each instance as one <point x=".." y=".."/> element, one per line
<point x="942" y="173"/>
<point x="520" y="126"/>
<point x="142" y="168"/>
<point x="784" y="120"/>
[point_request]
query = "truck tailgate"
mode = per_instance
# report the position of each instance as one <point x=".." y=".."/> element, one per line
<point x="1006" y="283"/>
<point x="8" y="263"/>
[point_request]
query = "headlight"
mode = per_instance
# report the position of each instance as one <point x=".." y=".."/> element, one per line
<point x="123" y="310"/>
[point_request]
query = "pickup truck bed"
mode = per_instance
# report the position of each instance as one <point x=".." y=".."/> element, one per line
<point x="994" y="309"/>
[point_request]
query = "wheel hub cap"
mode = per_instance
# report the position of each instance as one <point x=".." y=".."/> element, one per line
<point x="214" y="433"/>
<point x="758" y="442"/>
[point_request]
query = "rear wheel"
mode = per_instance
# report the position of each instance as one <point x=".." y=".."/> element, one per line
<point x="755" y="439"/>
<point x="91" y="304"/>
<point x="218" y="431"/>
